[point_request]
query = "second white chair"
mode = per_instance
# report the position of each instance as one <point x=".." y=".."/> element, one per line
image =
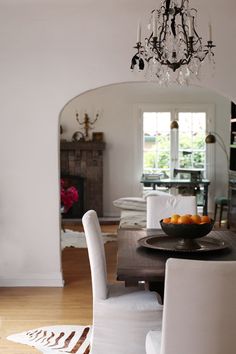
<point x="121" y="316"/>
<point x="199" y="315"/>
<point x="163" y="206"/>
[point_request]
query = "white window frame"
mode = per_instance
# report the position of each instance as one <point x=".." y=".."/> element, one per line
<point x="139" y="109"/>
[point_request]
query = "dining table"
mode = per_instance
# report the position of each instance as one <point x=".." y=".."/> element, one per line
<point x="138" y="263"/>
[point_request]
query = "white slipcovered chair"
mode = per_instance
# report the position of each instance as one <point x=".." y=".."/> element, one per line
<point x="199" y="315"/>
<point x="121" y="316"/>
<point x="163" y="206"/>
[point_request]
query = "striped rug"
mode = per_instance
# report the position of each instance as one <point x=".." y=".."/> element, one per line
<point x="56" y="339"/>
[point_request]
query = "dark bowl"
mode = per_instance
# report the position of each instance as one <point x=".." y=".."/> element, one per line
<point x="185" y="233"/>
<point x="187" y="230"/>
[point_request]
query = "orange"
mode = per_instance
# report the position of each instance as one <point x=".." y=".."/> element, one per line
<point x="166" y="220"/>
<point x="184" y="219"/>
<point x="174" y="219"/>
<point x="205" y="219"/>
<point x="196" y="219"/>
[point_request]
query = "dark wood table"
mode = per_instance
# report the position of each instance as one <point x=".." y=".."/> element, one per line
<point x="136" y="263"/>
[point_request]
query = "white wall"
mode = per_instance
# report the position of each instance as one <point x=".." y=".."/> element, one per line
<point x="52" y="51"/>
<point x="118" y="120"/>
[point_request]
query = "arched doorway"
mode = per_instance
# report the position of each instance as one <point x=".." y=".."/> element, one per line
<point x="118" y="106"/>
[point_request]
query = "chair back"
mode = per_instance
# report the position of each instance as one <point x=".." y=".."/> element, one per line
<point x="96" y="253"/>
<point x="163" y="206"/>
<point x="199" y="307"/>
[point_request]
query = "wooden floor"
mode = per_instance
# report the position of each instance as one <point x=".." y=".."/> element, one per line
<point x="27" y="308"/>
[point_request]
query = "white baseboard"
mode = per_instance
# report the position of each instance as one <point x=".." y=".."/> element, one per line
<point x="33" y="279"/>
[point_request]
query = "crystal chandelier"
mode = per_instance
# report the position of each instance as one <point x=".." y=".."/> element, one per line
<point x="173" y="52"/>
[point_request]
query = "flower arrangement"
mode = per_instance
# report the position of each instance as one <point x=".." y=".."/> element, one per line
<point x="68" y="196"/>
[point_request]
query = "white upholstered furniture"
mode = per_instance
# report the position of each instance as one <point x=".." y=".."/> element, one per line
<point x="121" y="316"/>
<point x="163" y="206"/>
<point x="199" y="315"/>
<point x="133" y="210"/>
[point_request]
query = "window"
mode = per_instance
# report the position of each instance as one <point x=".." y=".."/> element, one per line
<point x="165" y="149"/>
<point x="156" y="134"/>
<point x="192" y="147"/>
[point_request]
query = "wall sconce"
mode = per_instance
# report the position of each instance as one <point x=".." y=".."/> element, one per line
<point x="212" y="138"/>
<point x="87" y="123"/>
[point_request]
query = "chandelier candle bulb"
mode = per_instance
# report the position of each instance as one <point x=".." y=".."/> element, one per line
<point x="210" y="32"/>
<point x="154" y="25"/>
<point x="139" y="33"/>
<point x="190" y="25"/>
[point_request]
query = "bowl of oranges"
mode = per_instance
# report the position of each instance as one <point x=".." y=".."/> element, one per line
<point x="187" y="228"/>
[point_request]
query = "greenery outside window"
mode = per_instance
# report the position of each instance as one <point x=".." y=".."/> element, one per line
<point x="156" y="142"/>
<point x="165" y="149"/>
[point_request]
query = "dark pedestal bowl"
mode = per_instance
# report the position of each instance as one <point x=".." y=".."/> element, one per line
<point x="186" y="234"/>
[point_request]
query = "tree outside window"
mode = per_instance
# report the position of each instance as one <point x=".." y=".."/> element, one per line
<point x="161" y="149"/>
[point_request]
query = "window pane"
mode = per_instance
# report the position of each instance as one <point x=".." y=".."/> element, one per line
<point x="185" y="160"/>
<point x="149" y="142"/>
<point x="149" y="124"/>
<point x="149" y="161"/>
<point x="198" y="160"/>
<point x="185" y="140"/>
<point x="192" y="128"/>
<point x="198" y="141"/>
<point x="156" y="145"/>
<point x="163" y="141"/>
<point x="163" y="160"/>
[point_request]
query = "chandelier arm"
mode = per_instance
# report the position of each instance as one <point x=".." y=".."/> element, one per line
<point x="148" y="39"/>
<point x="167" y="8"/>
<point x="163" y="29"/>
<point x="148" y="59"/>
<point x="195" y="32"/>
<point x="204" y="55"/>
<point x="163" y="22"/>
<point x="186" y="40"/>
<point x="173" y="26"/>
<point x="193" y="9"/>
<point x="184" y="31"/>
<point x="198" y="40"/>
<point x="207" y="51"/>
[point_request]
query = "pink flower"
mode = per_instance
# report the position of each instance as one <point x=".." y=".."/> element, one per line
<point x="68" y="196"/>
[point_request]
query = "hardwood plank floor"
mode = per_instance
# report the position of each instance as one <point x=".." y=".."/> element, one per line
<point x="27" y="308"/>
